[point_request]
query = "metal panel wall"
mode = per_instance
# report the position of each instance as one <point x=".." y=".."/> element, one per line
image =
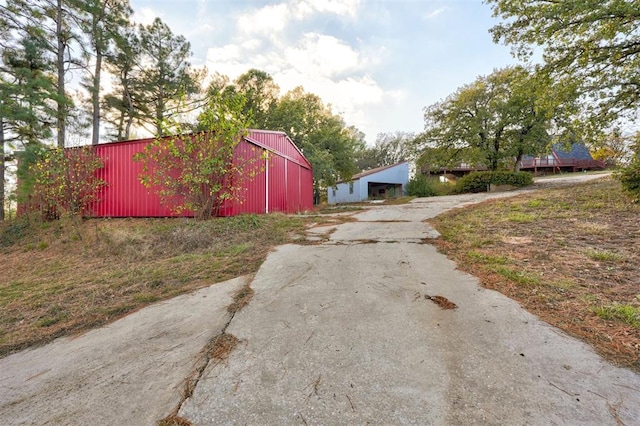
<point x="280" y="143"/>
<point x="124" y="195"/>
<point x="306" y="189"/>
<point x="251" y="188"/>
<point x="277" y="184"/>
<point x="289" y="177"/>
<point x="294" y="200"/>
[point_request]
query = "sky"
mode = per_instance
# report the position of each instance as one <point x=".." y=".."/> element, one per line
<point x="378" y="63"/>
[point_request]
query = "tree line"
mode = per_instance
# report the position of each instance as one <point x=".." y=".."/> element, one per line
<point x="583" y="90"/>
<point x="57" y="56"/>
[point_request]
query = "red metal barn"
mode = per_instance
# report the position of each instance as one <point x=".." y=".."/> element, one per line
<point x="284" y="184"/>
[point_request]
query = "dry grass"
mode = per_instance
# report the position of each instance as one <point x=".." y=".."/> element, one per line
<point x="174" y="420"/>
<point x="398" y="200"/>
<point x="574" y="261"/>
<point x="222" y="346"/>
<point x="240" y="299"/>
<point x="63" y="277"/>
<point x="441" y="301"/>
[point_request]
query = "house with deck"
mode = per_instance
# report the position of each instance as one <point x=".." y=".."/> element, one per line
<point x="562" y="159"/>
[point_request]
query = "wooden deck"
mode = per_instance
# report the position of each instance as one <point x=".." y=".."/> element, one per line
<point x="558" y="165"/>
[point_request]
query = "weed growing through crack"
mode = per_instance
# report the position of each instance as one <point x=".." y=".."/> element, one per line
<point x="222" y="346"/>
<point x="174" y="420"/>
<point x="240" y="299"/>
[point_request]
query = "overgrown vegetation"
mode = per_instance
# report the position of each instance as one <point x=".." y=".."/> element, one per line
<point x="65" y="276"/>
<point x="568" y="255"/>
<point x="427" y="186"/>
<point x="481" y="181"/>
<point x="199" y="172"/>
<point x="630" y="179"/>
<point x="57" y="182"/>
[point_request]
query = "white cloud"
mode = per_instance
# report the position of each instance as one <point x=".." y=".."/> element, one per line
<point x="339" y="7"/>
<point x="274" y="18"/>
<point x="322" y="55"/>
<point x="323" y="65"/>
<point x="268" y="20"/>
<point x="145" y="16"/>
<point x="326" y="65"/>
<point x="201" y="30"/>
<point x="435" y="13"/>
<point x="251" y="44"/>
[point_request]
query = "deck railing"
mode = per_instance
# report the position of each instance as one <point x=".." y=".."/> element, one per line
<point x="532" y="163"/>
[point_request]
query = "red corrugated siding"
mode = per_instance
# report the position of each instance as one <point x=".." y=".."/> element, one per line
<point x="124" y="195"/>
<point x="289" y="175"/>
<point x="251" y="194"/>
<point x="280" y="143"/>
<point x="306" y="189"/>
<point x="293" y="186"/>
<point x="277" y="184"/>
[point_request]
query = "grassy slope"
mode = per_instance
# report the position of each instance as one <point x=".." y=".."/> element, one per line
<point x="63" y="277"/>
<point x="569" y="255"/>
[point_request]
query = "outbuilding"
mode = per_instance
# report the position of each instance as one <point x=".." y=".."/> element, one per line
<point x="379" y="183"/>
<point x="284" y="184"/>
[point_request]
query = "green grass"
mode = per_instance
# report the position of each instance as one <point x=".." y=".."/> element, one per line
<point x="534" y="204"/>
<point x="604" y="255"/>
<point x="519" y="217"/>
<point x="625" y="313"/>
<point x="488" y="259"/>
<point x="519" y="277"/>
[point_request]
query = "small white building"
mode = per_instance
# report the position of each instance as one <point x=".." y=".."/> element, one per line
<point x="380" y="183"/>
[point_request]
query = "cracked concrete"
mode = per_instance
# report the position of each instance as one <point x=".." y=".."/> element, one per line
<point x="341" y="333"/>
<point x="130" y="372"/>
<point x="337" y="333"/>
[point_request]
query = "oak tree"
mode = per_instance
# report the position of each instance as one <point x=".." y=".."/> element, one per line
<point x="595" y="43"/>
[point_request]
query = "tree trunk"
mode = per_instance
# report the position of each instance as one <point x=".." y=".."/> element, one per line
<point x="131" y="113"/>
<point x="62" y="106"/>
<point x="120" y="134"/>
<point x="95" y="99"/>
<point x="2" y="169"/>
<point x="516" y="167"/>
<point x="160" y="118"/>
<point x="496" y="149"/>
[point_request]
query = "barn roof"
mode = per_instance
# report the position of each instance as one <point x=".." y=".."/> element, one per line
<point x="270" y="140"/>
<point x="279" y="142"/>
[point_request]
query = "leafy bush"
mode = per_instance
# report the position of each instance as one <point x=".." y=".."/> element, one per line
<point x="61" y="181"/>
<point x="12" y="232"/>
<point x="420" y="186"/>
<point x="629" y="177"/>
<point x="480" y="181"/>
<point x="198" y="173"/>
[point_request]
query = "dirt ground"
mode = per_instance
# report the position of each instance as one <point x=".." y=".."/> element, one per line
<point x="569" y="255"/>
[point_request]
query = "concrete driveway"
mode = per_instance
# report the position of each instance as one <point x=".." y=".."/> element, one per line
<point x="344" y="331"/>
<point x="131" y="372"/>
<point x="347" y="332"/>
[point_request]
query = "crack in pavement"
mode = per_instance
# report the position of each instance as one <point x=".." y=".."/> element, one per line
<point x="353" y="327"/>
<point x="213" y="350"/>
